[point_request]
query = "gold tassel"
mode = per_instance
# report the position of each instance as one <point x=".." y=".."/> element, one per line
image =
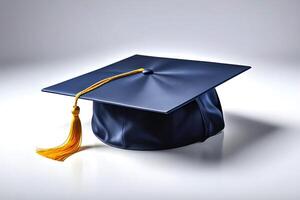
<point x="71" y="145"/>
<point x="73" y="142"/>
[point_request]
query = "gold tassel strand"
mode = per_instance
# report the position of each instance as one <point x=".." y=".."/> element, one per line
<point x="73" y="142"/>
<point x="71" y="145"/>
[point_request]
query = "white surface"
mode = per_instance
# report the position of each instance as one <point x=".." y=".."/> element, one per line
<point x="257" y="155"/>
<point x="45" y="42"/>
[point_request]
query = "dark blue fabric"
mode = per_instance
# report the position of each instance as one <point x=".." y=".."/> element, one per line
<point x="136" y="129"/>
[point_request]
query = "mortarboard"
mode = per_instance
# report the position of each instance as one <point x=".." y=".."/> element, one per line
<point x="147" y="103"/>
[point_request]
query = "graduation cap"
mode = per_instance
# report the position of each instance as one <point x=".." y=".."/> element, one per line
<point x="147" y="103"/>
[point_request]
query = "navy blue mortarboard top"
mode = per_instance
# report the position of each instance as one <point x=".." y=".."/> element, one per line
<point x="169" y="84"/>
<point x="168" y="103"/>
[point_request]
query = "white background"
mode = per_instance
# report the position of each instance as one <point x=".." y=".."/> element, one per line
<point x="257" y="156"/>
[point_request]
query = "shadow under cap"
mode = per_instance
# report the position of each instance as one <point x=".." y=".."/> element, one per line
<point x="241" y="134"/>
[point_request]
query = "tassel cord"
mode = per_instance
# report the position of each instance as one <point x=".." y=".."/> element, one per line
<point x="73" y="142"/>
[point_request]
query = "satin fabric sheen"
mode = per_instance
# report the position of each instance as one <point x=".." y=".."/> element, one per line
<point x="135" y="129"/>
